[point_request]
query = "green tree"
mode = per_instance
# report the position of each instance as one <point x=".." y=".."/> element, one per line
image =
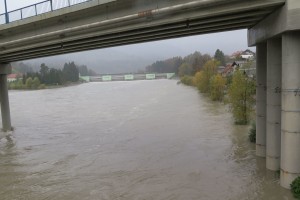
<point x="241" y="97"/>
<point x="219" y="55"/>
<point x="35" y="83"/>
<point x="44" y="69"/>
<point x="202" y="79"/>
<point x="71" y="72"/>
<point x="29" y="83"/>
<point x="217" y="87"/>
<point x="83" y="70"/>
<point x="44" y="72"/>
<point x="20" y="84"/>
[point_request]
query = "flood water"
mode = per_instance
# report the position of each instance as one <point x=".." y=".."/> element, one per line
<point x="140" y="140"/>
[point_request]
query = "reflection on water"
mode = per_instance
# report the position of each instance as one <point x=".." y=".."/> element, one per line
<point x="128" y="141"/>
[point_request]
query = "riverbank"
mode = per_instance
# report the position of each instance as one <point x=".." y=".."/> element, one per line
<point x="65" y="85"/>
<point x="43" y="86"/>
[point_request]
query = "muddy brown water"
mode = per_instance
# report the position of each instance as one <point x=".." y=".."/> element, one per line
<point x="141" y="140"/>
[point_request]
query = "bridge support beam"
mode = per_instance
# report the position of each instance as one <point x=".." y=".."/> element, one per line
<point x="5" y="110"/>
<point x="273" y="120"/>
<point x="290" y="124"/>
<point x="261" y="70"/>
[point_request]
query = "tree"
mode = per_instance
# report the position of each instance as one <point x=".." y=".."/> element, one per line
<point x="165" y="66"/>
<point x="196" y="60"/>
<point x="83" y="70"/>
<point x="219" y="55"/>
<point x="28" y="83"/>
<point x="70" y="72"/>
<point x="217" y="87"/>
<point x="185" y="69"/>
<point x="187" y="80"/>
<point x="35" y="83"/>
<point x="20" y="67"/>
<point x="24" y="79"/>
<point x="91" y="73"/>
<point x="44" y="72"/>
<point x="202" y="79"/>
<point x="199" y="81"/>
<point x="240" y="94"/>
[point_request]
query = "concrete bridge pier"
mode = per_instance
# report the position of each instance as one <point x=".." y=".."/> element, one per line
<point x="290" y="124"/>
<point x="273" y="104"/>
<point x="261" y="70"/>
<point x="283" y="24"/>
<point x="5" y="110"/>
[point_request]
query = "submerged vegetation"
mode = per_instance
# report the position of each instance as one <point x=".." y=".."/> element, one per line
<point x="237" y="90"/>
<point x="295" y="187"/>
<point x="252" y="133"/>
<point x="241" y="97"/>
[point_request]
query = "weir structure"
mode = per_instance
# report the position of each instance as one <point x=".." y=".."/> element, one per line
<point x="273" y="27"/>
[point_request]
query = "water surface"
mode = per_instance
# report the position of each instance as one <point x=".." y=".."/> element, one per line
<point x="140" y="140"/>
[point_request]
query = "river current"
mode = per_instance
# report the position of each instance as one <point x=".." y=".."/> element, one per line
<point x="139" y="140"/>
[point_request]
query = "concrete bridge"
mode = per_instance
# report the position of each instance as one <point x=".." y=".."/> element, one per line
<point x="273" y="27"/>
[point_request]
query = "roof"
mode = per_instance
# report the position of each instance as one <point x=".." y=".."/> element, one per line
<point x="13" y="76"/>
<point x="228" y="69"/>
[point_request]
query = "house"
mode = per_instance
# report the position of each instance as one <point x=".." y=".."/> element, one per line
<point x="231" y="68"/>
<point x="228" y="70"/>
<point x="248" y="54"/>
<point x="243" y="55"/>
<point x="236" y="55"/>
<point x="12" y="77"/>
<point x="239" y="64"/>
<point x="247" y="57"/>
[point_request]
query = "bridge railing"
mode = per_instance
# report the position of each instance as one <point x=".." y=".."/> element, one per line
<point x="37" y="9"/>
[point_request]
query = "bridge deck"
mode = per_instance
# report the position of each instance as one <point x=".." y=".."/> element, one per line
<point x="107" y="23"/>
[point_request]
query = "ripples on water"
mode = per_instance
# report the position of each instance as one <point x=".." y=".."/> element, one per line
<point x="141" y="140"/>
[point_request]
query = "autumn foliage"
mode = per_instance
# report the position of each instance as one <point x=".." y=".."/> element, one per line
<point x="240" y="90"/>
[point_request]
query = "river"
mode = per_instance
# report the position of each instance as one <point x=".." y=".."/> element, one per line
<point x="140" y="140"/>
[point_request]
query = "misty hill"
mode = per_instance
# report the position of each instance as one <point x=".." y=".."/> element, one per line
<point x="123" y="59"/>
<point x="195" y="61"/>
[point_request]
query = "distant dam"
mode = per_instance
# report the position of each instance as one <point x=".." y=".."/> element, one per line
<point x="126" y="77"/>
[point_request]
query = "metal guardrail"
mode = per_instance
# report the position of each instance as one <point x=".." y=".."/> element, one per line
<point x="37" y="9"/>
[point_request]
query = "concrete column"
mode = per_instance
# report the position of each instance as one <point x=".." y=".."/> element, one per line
<point x="274" y="62"/>
<point x="5" y="111"/>
<point x="261" y="70"/>
<point x="290" y="121"/>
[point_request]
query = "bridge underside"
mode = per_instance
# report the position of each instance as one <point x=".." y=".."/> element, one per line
<point x="95" y="25"/>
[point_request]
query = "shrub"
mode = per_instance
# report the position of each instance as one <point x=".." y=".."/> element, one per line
<point x="28" y="83"/>
<point x="203" y="78"/>
<point x="42" y="86"/>
<point x="217" y="87"/>
<point x="16" y="85"/>
<point x="252" y="133"/>
<point x="295" y="187"/>
<point x="241" y="97"/>
<point x="187" y="80"/>
<point x="35" y="83"/>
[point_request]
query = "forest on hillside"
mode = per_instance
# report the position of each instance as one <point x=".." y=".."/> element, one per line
<point x="187" y="65"/>
<point x="47" y="76"/>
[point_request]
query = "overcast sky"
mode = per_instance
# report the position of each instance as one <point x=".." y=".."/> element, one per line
<point x="228" y="42"/>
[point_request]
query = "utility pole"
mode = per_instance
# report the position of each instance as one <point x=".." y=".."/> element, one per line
<point x="6" y="13"/>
